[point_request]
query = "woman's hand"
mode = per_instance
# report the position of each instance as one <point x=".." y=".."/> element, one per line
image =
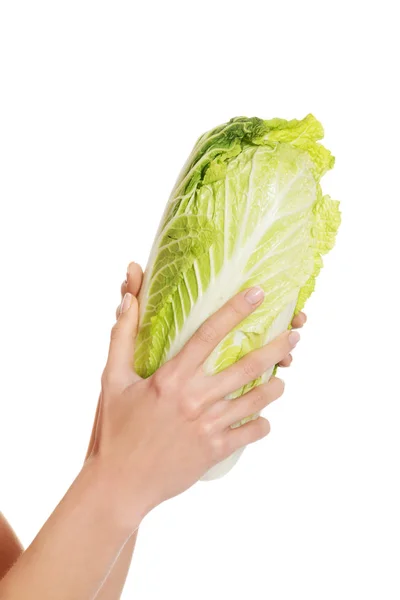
<point x="158" y="436"/>
<point x="132" y="285"/>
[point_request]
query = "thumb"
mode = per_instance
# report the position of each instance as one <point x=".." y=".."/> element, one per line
<point x="123" y="335"/>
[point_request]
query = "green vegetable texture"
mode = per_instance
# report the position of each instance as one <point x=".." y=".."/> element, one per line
<point x="247" y="209"/>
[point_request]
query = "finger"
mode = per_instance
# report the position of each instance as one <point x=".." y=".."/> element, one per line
<point x="134" y="278"/>
<point x="212" y="331"/>
<point x="122" y="344"/>
<point x="246" y="434"/>
<point x="251" y="403"/>
<point x="252" y="365"/>
<point x="286" y="362"/>
<point x="132" y="283"/>
<point x="299" y="320"/>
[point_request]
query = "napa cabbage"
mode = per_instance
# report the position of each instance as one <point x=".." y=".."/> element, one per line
<point x="247" y="209"/>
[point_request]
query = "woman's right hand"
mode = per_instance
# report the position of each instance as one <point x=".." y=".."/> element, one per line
<point x="158" y="436"/>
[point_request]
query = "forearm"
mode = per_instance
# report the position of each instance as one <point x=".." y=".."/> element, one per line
<point x="76" y="548"/>
<point x="114" y="584"/>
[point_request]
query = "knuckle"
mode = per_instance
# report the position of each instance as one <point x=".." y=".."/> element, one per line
<point x="191" y="410"/>
<point x="157" y="381"/>
<point x="205" y="428"/>
<point x="217" y="448"/>
<point x="236" y="307"/>
<point x="258" y="399"/>
<point x="251" y="367"/>
<point x="167" y="382"/>
<point x="114" y="331"/>
<point x="206" y="333"/>
<point x="164" y="381"/>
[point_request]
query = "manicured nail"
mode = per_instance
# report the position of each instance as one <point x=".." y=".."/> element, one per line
<point x="254" y="295"/>
<point x="126" y="302"/>
<point x="294" y="337"/>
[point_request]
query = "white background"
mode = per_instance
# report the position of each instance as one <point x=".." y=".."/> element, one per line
<point x="100" y="104"/>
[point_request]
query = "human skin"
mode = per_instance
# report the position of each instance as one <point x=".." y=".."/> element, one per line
<point x="180" y="426"/>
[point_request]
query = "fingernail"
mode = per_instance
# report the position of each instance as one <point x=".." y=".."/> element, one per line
<point x="126" y="302"/>
<point x="254" y="295"/>
<point x="294" y="337"/>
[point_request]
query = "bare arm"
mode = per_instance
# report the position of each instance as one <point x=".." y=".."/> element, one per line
<point x="154" y="438"/>
<point x="77" y="547"/>
<point x="114" y="584"/>
<point x="10" y="546"/>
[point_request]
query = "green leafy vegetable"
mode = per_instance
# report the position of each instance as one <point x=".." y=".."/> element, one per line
<point x="247" y="209"/>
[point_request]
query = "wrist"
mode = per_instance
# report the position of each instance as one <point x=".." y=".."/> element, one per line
<point x="122" y="508"/>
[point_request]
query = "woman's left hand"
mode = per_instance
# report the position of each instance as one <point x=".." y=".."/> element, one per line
<point x="132" y="284"/>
